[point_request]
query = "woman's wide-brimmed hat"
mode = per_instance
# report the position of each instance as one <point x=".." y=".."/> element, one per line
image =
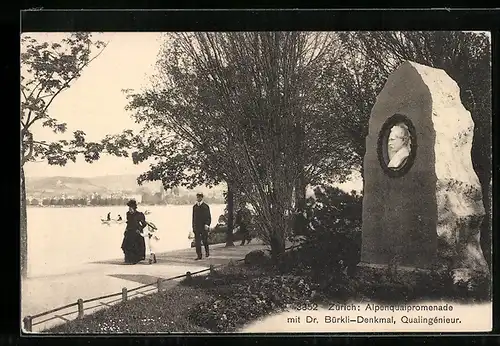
<point x="132" y="203"/>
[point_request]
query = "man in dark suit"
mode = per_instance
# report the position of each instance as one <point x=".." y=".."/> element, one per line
<point x="201" y="224"/>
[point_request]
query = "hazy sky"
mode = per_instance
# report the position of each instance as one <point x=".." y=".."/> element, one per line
<point x="95" y="102"/>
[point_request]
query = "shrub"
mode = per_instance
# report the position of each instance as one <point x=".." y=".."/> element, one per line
<point x="242" y="294"/>
<point x="331" y="208"/>
<point x="407" y="286"/>
<point x="332" y="236"/>
<point x="218" y="235"/>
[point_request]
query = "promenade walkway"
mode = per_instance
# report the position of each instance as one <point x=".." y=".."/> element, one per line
<point x="101" y="278"/>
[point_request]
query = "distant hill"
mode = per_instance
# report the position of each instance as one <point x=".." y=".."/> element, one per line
<point x="127" y="183"/>
<point x="56" y="186"/>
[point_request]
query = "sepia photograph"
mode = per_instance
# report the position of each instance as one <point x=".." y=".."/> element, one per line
<point x="255" y="182"/>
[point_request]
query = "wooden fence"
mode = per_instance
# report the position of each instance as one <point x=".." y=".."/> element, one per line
<point x="28" y="321"/>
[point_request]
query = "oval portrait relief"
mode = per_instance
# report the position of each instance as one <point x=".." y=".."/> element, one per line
<point x="397" y="145"/>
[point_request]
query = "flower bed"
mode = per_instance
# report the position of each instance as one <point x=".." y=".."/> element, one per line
<point x="241" y="294"/>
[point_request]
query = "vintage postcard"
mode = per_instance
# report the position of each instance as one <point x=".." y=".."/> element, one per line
<point x="263" y="182"/>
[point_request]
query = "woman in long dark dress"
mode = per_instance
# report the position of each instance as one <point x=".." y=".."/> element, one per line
<point x="133" y="244"/>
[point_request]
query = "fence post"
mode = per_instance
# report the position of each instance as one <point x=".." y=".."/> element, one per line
<point x="188" y="276"/>
<point x="158" y="284"/>
<point x="212" y="269"/>
<point x="80" y="308"/>
<point x="124" y="294"/>
<point x="28" y="323"/>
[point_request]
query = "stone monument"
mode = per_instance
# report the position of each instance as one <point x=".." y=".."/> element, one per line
<point x="422" y="203"/>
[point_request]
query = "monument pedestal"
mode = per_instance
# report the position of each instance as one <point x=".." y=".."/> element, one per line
<point x="386" y="267"/>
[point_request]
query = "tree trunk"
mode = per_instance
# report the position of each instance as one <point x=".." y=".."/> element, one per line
<point x="277" y="245"/>
<point x="300" y="183"/>
<point x="230" y="216"/>
<point x="300" y="205"/>
<point x="486" y="234"/>
<point x="300" y="193"/>
<point x="279" y="227"/>
<point x="23" y="229"/>
<point x="362" y="180"/>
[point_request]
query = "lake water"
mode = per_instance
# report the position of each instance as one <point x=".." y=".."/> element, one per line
<point x="63" y="240"/>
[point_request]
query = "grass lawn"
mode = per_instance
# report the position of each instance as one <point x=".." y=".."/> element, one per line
<point x="165" y="311"/>
<point x="237" y="295"/>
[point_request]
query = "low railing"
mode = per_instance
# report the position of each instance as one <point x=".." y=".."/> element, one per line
<point x="28" y="320"/>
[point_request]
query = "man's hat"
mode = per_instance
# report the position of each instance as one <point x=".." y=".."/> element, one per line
<point x="199" y="194"/>
<point x="132" y="203"/>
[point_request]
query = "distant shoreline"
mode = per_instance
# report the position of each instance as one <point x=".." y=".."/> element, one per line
<point x="110" y="206"/>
